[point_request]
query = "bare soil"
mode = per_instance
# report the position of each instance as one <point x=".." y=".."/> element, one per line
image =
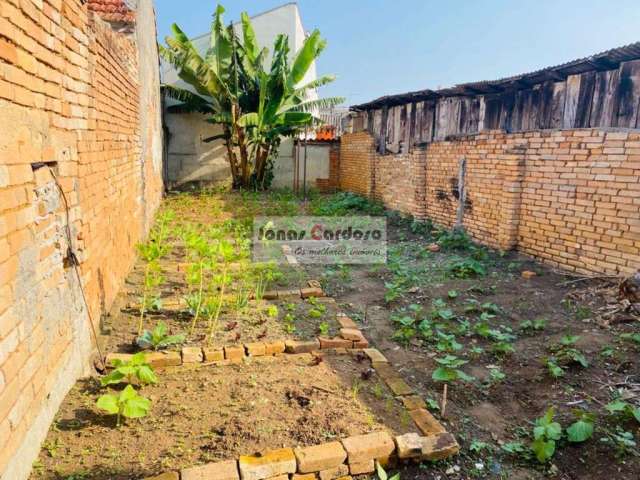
<point x="216" y="413"/>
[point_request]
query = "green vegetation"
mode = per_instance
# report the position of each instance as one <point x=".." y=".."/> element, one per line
<point x="128" y="404"/>
<point x="137" y="368"/>
<point x="158" y="338"/>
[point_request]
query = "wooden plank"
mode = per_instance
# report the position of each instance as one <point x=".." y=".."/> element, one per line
<point x="507" y="100"/>
<point x="585" y="98"/>
<point x="545" y="109"/>
<point x="413" y="124"/>
<point x="605" y="98"/>
<point x="492" y="109"/>
<point x="628" y="94"/>
<point x="557" y="108"/>
<point x="571" y="101"/>
<point x="428" y="124"/>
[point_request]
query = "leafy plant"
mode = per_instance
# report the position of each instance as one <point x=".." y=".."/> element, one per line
<point x="582" y="429"/>
<point x="546" y="433"/>
<point x="128" y="404"/>
<point x="158" y="338"/>
<point x="289" y="323"/>
<point x="137" y="368"/>
<point x="466" y="268"/>
<point x="565" y="354"/>
<point x="623" y="409"/>
<point x="256" y="106"/>
<point x="536" y="325"/>
<point x="272" y="311"/>
<point x="449" y="370"/>
<point x="623" y="441"/>
<point x="382" y="474"/>
<point x="323" y="328"/>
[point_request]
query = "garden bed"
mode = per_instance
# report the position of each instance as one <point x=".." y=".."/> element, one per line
<point x="214" y="413"/>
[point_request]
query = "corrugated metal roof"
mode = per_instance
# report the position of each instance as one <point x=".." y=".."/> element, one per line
<point x="601" y="61"/>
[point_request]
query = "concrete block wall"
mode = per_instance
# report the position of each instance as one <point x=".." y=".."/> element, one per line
<point x="568" y="197"/>
<point x="72" y="109"/>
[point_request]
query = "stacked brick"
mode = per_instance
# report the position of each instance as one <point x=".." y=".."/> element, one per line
<point x="69" y="96"/>
<point x="332" y="183"/>
<point x="568" y="197"/>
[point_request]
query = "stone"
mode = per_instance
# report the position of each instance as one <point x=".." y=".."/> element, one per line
<point x="164" y="359"/>
<point x="314" y="284"/>
<point x="304" y="476"/>
<point x="274" y="348"/>
<point x="426" y="422"/>
<point x="227" y="470"/>
<point x="213" y="354"/>
<point x="362" y="468"/>
<point x="375" y="355"/>
<point x="315" y="292"/>
<point x="280" y="477"/>
<point x="398" y="386"/>
<point x="362" y="448"/>
<point x="528" y="274"/>
<point x="409" y="446"/>
<point x="270" y="295"/>
<point x="384" y="370"/>
<point x="123" y="357"/>
<point x="433" y="247"/>
<point x="191" y="355"/>
<point x="335" y="342"/>
<point x="166" y="476"/>
<point x="364" y="343"/>
<point x="255" y="349"/>
<point x="234" y="354"/>
<point x="351" y="334"/>
<point x="346" y="322"/>
<point x="320" y="457"/>
<point x="268" y="465"/>
<point x="413" y="402"/>
<point x="295" y="346"/>
<point x="333" y="473"/>
<point x="439" y="446"/>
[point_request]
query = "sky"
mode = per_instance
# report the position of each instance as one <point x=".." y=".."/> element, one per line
<point x="382" y="47"/>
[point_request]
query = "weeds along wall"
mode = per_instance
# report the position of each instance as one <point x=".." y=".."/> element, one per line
<point x="568" y="197"/>
<point x="80" y="101"/>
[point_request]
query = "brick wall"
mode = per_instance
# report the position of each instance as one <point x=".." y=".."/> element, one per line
<point x="568" y="197"/>
<point x="71" y="102"/>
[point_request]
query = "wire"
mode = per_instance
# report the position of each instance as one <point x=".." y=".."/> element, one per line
<point x="76" y="264"/>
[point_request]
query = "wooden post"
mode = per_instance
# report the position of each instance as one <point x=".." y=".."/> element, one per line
<point x="462" y="193"/>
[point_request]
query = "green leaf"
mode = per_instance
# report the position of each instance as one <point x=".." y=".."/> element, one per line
<point x="108" y="403"/>
<point x="127" y="394"/>
<point x="554" y="431"/>
<point x="543" y="450"/>
<point x="136" y="407"/>
<point x="113" y="378"/>
<point x="616" y="406"/>
<point x="146" y="375"/>
<point x="382" y="475"/>
<point x="444" y="374"/>
<point x="580" y="431"/>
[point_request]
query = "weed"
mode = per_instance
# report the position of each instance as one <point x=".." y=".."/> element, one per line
<point x="382" y="474"/>
<point x="564" y="355"/>
<point x="128" y="404"/>
<point x="582" y="429"/>
<point x="631" y="337"/>
<point x="466" y="268"/>
<point x="323" y="328"/>
<point x="536" y="325"/>
<point x="496" y="375"/>
<point x="449" y="370"/>
<point x="289" y="323"/>
<point x="623" y="441"/>
<point x="624" y="410"/>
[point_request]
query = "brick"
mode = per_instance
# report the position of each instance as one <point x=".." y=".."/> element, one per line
<point x="270" y="295"/>
<point x="346" y="322"/>
<point x="409" y="446"/>
<point x="123" y="357"/>
<point x="192" y="355"/>
<point x="413" y="402"/>
<point x="256" y="349"/>
<point x="362" y="448"/>
<point x="426" y="422"/>
<point x="295" y="346"/>
<point x="227" y="470"/>
<point x="315" y="292"/>
<point x="363" y="343"/>
<point x="274" y="348"/>
<point x="398" y="386"/>
<point x="212" y="354"/>
<point x="320" y="457"/>
<point x="336" y="342"/>
<point x="362" y="468"/>
<point x="267" y="465"/>
<point x="234" y="354"/>
<point x="304" y="476"/>
<point x="351" y="334"/>
<point x="439" y="446"/>
<point x="163" y="359"/>
<point x="334" y="473"/>
<point x="375" y="355"/>
<point x="288" y="294"/>
<point x="165" y="476"/>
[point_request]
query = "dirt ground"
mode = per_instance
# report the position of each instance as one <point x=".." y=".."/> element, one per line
<point x="416" y="309"/>
<point x="214" y="413"/>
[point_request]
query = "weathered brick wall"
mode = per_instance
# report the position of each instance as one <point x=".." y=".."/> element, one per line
<point x="356" y="163"/>
<point x="569" y="197"/>
<point x="70" y="102"/>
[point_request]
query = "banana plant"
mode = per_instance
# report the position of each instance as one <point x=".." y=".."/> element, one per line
<point x="256" y="107"/>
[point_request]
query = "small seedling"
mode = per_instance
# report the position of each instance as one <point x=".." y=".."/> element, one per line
<point x="272" y="311"/>
<point x="128" y="404"/>
<point x="565" y="354"/>
<point x="323" y="328"/>
<point x="382" y="474"/>
<point x="449" y="370"/>
<point x="582" y="429"/>
<point x="158" y="338"/>
<point x="545" y="434"/>
<point x="137" y="367"/>
<point x="623" y="409"/>
<point x="536" y="325"/>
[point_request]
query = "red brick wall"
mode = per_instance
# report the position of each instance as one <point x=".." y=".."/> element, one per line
<point x="569" y="197"/>
<point x="69" y="96"/>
